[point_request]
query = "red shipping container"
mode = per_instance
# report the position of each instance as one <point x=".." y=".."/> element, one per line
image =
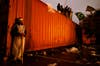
<point x="46" y="28"/>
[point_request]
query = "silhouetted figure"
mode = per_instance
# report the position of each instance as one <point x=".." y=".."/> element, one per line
<point x="79" y="35"/>
<point x="58" y="7"/>
<point x="18" y="40"/>
<point x="65" y="10"/>
<point x="79" y="43"/>
<point x="61" y="9"/>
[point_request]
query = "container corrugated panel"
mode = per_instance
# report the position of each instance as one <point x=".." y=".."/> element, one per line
<point x="49" y="29"/>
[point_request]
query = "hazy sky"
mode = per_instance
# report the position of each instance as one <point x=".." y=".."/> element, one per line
<point x="76" y="5"/>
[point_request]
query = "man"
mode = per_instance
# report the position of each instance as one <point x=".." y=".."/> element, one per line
<point x="18" y="39"/>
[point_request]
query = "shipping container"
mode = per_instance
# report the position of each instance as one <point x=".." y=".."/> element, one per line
<point x="46" y="27"/>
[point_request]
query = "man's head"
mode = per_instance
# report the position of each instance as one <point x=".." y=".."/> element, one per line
<point x="19" y="20"/>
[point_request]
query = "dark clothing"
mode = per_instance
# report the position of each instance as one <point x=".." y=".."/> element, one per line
<point x="79" y="35"/>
